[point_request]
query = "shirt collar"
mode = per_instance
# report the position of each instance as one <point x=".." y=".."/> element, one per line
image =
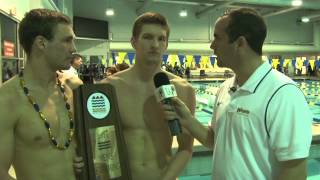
<point x="73" y="70"/>
<point x="256" y="78"/>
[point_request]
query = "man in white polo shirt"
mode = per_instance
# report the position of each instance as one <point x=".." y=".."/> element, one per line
<point x="71" y="76"/>
<point x="261" y="128"/>
<point x="75" y="62"/>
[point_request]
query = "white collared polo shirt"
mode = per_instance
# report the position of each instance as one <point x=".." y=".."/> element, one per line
<point x="264" y="121"/>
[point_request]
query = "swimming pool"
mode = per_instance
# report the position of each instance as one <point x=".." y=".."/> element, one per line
<point x="205" y="97"/>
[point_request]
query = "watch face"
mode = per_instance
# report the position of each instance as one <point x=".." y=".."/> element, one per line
<point x="98" y="105"/>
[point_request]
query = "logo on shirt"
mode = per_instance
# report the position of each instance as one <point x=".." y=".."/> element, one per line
<point x="244" y="111"/>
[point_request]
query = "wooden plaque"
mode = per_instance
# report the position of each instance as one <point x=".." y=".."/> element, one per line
<point x="99" y="135"/>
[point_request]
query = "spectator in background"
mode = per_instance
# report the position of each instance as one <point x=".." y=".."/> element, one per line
<point x="6" y="72"/>
<point x="76" y="63"/>
<point x="188" y="72"/>
<point x="71" y="76"/>
<point x="169" y="68"/>
<point x="110" y="70"/>
<point x="310" y="72"/>
<point x="122" y="66"/>
<point x="177" y="70"/>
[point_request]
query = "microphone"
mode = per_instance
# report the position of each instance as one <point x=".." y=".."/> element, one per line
<point x="164" y="92"/>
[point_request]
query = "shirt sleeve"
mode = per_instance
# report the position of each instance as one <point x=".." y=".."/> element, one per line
<point x="289" y="122"/>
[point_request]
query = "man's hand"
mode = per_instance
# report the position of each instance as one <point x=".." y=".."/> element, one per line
<point x="180" y="111"/>
<point x="71" y="80"/>
<point x="78" y="164"/>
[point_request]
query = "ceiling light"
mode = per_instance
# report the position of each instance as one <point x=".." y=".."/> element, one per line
<point x="109" y="12"/>
<point x="305" y="19"/>
<point x="296" y="3"/>
<point x="183" y="13"/>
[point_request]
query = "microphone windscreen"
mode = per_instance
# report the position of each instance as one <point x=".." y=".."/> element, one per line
<point x="160" y="79"/>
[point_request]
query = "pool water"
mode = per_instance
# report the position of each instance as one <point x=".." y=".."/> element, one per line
<point x="205" y="97"/>
<point x="311" y="90"/>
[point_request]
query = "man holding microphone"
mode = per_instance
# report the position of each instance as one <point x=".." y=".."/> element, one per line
<point x="258" y="131"/>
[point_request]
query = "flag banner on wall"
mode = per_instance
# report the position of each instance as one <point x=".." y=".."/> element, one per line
<point x="104" y="60"/>
<point x="110" y="61"/>
<point x="113" y="55"/>
<point x="126" y="61"/>
<point x="121" y="57"/>
<point x="131" y="57"/>
<point x="318" y="64"/>
<point x="299" y="63"/>
<point x="312" y="65"/>
<point x="281" y="62"/>
<point x="275" y="63"/>
<point x="204" y="61"/>
<point x="294" y="63"/>
<point x="173" y="60"/>
<point x="165" y="58"/>
<point x="212" y="60"/>
<point x="189" y="59"/>
<point x="197" y="59"/>
<point x="286" y="62"/>
<point x="181" y="59"/>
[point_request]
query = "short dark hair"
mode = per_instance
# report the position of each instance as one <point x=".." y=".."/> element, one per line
<point x="111" y="69"/>
<point x="149" y="18"/>
<point x="248" y="23"/>
<point x="122" y="66"/>
<point x="75" y="56"/>
<point x="39" y="22"/>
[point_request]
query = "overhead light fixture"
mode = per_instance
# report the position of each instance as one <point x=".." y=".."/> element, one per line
<point x="296" y="3"/>
<point x="109" y="12"/>
<point x="305" y="19"/>
<point x="183" y="13"/>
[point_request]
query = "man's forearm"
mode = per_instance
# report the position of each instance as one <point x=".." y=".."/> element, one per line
<point x="288" y="175"/>
<point x="177" y="164"/>
<point x="201" y="133"/>
<point x="293" y="169"/>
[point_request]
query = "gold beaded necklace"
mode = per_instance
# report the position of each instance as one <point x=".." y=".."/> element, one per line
<point x="36" y="107"/>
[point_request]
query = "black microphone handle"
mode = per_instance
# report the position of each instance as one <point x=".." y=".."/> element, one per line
<point x="174" y="124"/>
